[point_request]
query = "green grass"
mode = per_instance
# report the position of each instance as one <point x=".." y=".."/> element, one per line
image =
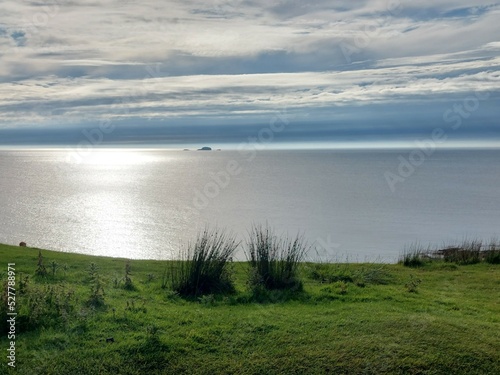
<point x="351" y="319"/>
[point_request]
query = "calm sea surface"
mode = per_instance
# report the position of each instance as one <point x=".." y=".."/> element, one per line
<point x="150" y="203"/>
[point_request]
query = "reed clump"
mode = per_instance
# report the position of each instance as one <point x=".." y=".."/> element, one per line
<point x="274" y="261"/>
<point x="204" y="267"/>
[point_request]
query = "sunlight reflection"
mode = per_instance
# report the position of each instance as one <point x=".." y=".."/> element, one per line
<point x="110" y="222"/>
<point x="110" y="157"/>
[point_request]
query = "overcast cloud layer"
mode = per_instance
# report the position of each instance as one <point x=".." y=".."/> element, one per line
<point x="186" y="72"/>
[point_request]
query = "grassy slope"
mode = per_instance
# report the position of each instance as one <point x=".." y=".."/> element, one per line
<point x="450" y="325"/>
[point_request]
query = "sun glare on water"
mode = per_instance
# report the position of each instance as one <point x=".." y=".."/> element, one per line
<point x="108" y="211"/>
<point x="107" y="157"/>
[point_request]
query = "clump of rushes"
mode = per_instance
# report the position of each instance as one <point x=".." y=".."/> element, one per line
<point x="469" y="252"/>
<point x="203" y="267"/>
<point x="412" y="256"/>
<point x="274" y="261"/>
<point x="492" y="255"/>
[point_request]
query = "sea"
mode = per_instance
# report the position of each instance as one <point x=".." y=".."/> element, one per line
<point x="348" y="205"/>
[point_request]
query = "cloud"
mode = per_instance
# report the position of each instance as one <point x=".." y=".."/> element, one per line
<point x="391" y="82"/>
<point x="66" y="63"/>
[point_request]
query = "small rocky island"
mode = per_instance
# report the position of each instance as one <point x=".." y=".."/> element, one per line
<point x="205" y="149"/>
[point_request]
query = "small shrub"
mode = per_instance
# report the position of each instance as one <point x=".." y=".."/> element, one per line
<point x="204" y="266"/>
<point x="96" y="297"/>
<point x="40" y="267"/>
<point x="47" y="306"/>
<point x="53" y="267"/>
<point x="128" y="284"/>
<point x="274" y="262"/>
<point x="24" y="282"/>
<point x="92" y="271"/>
<point x="412" y="285"/>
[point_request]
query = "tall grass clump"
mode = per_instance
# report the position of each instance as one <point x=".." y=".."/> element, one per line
<point x="274" y="261"/>
<point x="492" y="255"/>
<point x="469" y="252"/>
<point x="413" y="256"/>
<point x="204" y="267"/>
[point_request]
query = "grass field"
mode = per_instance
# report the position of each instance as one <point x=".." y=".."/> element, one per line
<point x="440" y="318"/>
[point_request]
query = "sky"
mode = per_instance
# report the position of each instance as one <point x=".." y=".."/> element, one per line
<point x="319" y="73"/>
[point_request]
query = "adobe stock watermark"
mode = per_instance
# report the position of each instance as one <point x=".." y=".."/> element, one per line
<point x="30" y="26"/>
<point x="48" y="10"/>
<point x="325" y="248"/>
<point x="11" y="314"/>
<point x="248" y="150"/>
<point x="367" y="33"/>
<point x="426" y="147"/>
<point x="93" y="137"/>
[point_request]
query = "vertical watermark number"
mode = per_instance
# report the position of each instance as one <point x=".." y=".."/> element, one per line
<point x="11" y="314"/>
